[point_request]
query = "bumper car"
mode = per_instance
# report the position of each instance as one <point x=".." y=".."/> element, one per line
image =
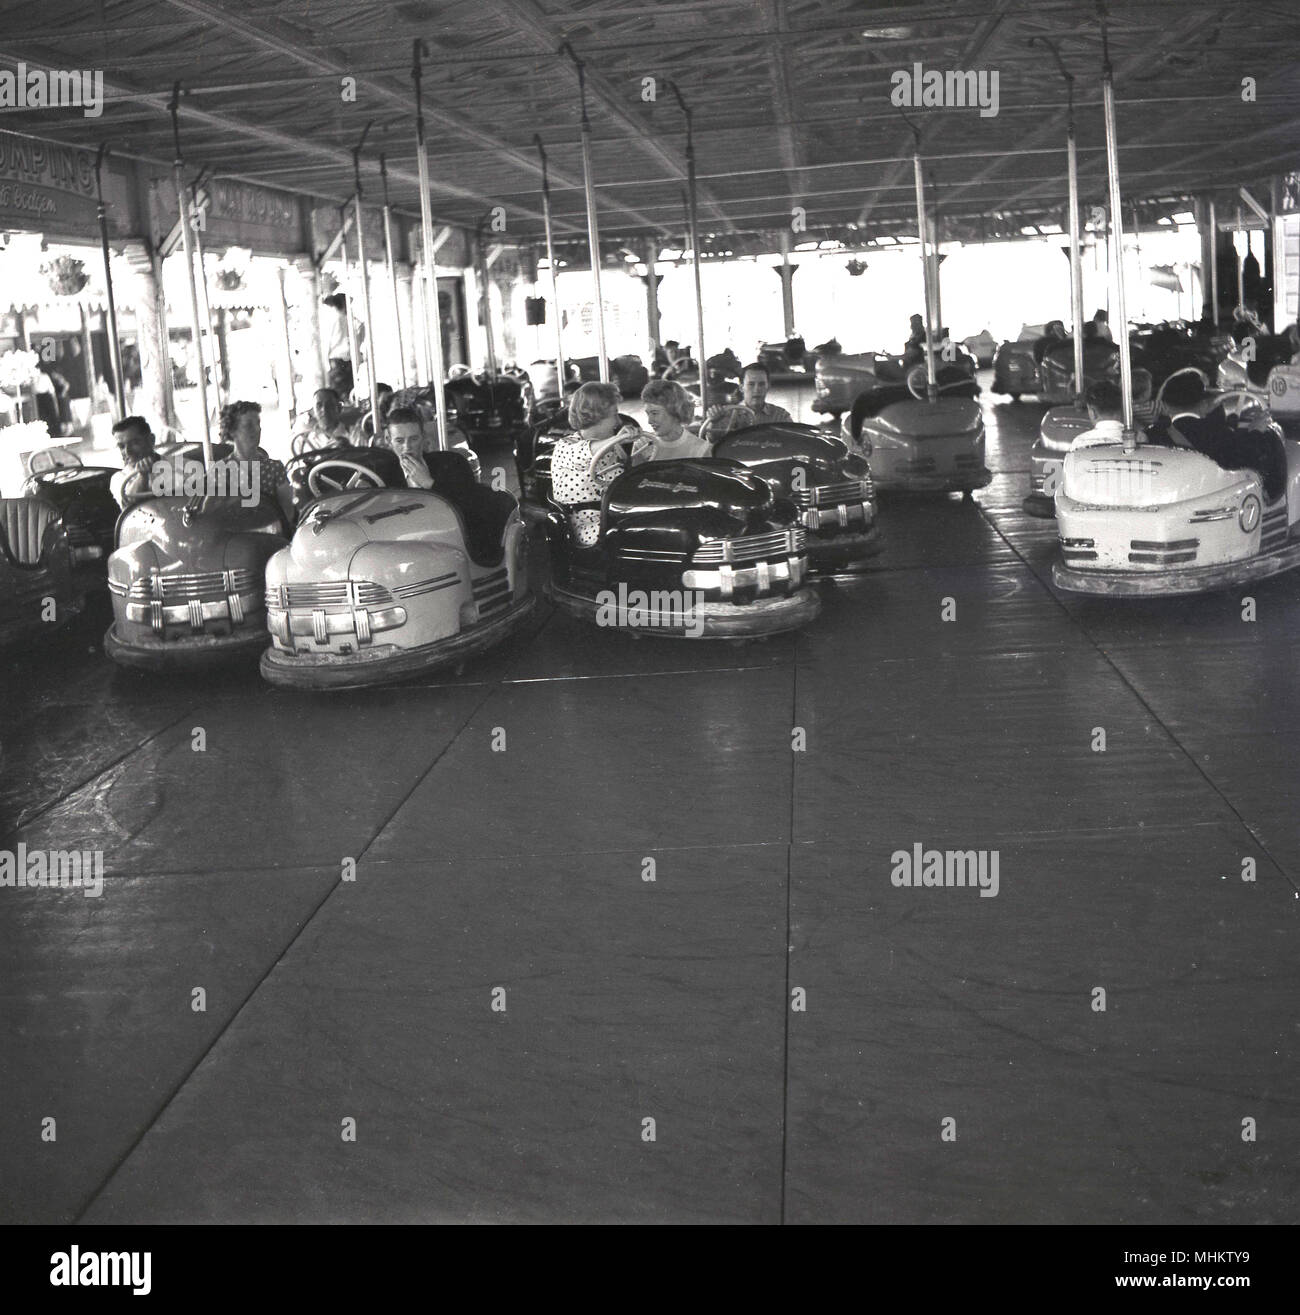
<point x="917" y="445"/>
<point x="627" y="371"/>
<point x="842" y="378"/>
<point x="380" y="584"/>
<point x="186" y="582"/>
<point x="35" y="568"/>
<point x="1056" y="368"/>
<point x="786" y="362"/>
<point x="487" y="408"/>
<point x="1184" y="391"/>
<point x="696" y="548"/>
<point x="829" y="485"/>
<point x="1205" y="502"/>
<point x="1015" y="366"/>
<point x="85" y="502"/>
<point x="982" y="346"/>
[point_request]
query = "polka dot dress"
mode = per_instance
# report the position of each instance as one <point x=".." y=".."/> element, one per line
<point x="572" y="482"/>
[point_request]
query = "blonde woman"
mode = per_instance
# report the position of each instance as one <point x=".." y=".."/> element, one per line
<point x="668" y="411"/>
<point x="586" y="461"/>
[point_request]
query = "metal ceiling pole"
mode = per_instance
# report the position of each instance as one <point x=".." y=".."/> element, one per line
<point x="555" y="274"/>
<point x="1214" y="263"/>
<point x="593" y="227"/>
<point x="485" y="299"/>
<point x="1120" y="333"/>
<point x="931" y="380"/>
<point x="392" y="268"/>
<point x="205" y="305"/>
<point x="1072" y="175"/>
<point x="114" y="348"/>
<point x="187" y="244"/>
<point x="371" y="373"/>
<point x="693" y="225"/>
<point x="354" y="356"/>
<point x="1241" y="262"/>
<point x="433" y="307"/>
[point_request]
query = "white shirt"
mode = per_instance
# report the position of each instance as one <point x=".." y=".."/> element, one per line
<point x="1104" y="431"/>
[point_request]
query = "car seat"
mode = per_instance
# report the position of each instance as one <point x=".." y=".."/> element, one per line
<point x="24" y="523"/>
<point x="484" y="512"/>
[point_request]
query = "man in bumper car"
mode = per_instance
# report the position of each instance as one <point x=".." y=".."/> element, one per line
<point x="323" y="426"/>
<point x="137" y="445"/>
<point x="755" y="383"/>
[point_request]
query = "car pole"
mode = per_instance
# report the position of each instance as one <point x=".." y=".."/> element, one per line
<point x="1214" y="263"/>
<point x="1116" y="230"/>
<point x="354" y="355"/>
<point x="213" y="346"/>
<point x="187" y="244"/>
<point x="693" y="227"/>
<point x="550" y="260"/>
<point x="931" y="381"/>
<point x="593" y="226"/>
<point x="392" y="267"/>
<point x="433" y="308"/>
<point x="371" y="373"/>
<point x="1072" y="176"/>
<point x="114" y="348"/>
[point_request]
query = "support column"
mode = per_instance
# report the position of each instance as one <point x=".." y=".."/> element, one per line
<point x="406" y="314"/>
<point x="303" y="283"/>
<point x="652" y="281"/>
<point x="785" y="271"/>
<point x="287" y="399"/>
<point x="154" y="399"/>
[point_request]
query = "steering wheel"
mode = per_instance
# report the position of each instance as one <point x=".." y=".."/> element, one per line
<point x="917" y="381"/>
<point x="51" y="458"/>
<point x="602" y="446"/>
<point x="323" y="481"/>
<point x="60" y="474"/>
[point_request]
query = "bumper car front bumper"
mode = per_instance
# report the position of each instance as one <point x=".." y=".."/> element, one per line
<point x="1177" y="580"/>
<point x="188" y="653"/>
<point x="384" y="663"/>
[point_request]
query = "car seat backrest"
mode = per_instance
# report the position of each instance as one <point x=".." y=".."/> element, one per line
<point x="25" y="521"/>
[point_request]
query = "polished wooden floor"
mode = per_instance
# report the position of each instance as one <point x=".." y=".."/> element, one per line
<point x="798" y="1028"/>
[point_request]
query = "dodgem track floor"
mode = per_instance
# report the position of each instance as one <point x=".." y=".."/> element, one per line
<point x="601" y="882"/>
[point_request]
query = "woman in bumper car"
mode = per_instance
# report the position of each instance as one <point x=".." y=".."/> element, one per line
<point x="578" y="477"/>
<point x="668" y="410"/>
<point x="241" y="427"/>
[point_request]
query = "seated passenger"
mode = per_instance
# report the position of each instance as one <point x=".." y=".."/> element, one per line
<point x="241" y="427"/>
<point x="668" y="409"/>
<point x="407" y="436"/>
<point x="1105" y="405"/>
<point x="726" y="421"/>
<point x="1102" y="330"/>
<point x="755" y="382"/>
<point x="322" y="426"/>
<point x="136" y="443"/>
<point x="593" y="417"/>
<point x="363" y="432"/>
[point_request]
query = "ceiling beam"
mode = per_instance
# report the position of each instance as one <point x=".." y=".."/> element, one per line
<point x="281" y="39"/>
<point x="526" y="16"/>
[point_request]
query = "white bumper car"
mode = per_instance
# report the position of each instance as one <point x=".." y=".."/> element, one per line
<point x="1212" y="503"/>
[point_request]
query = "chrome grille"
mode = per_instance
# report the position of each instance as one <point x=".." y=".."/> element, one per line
<point x="752" y="547"/>
<point x="197" y="586"/>
<point x="334" y="593"/>
<point x="830" y="495"/>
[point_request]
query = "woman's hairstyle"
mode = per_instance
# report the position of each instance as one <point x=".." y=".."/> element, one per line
<point x="727" y="421"/>
<point x="592" y="403"/>
<point x="674" y="399"/>
<point x="232" y="414"/>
